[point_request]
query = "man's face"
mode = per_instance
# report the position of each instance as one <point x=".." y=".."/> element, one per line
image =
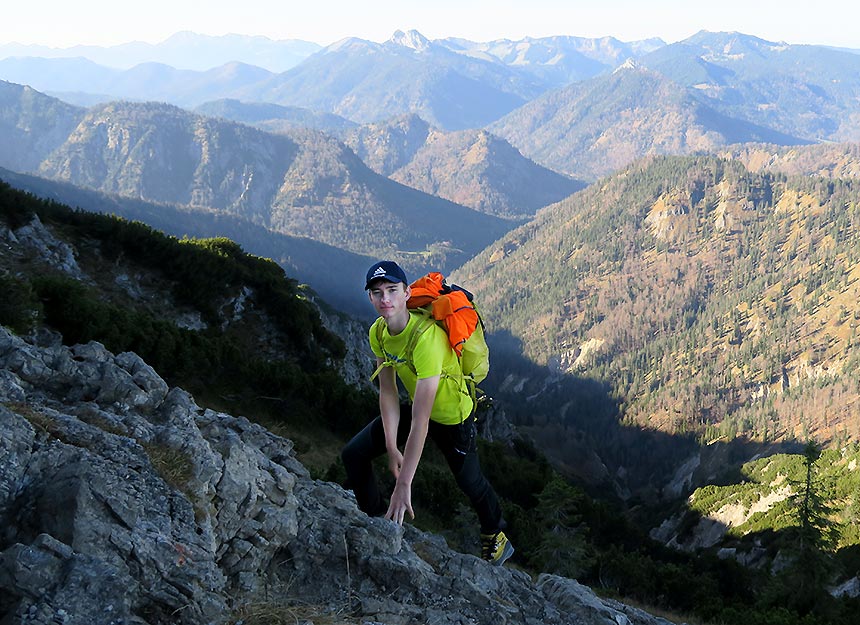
<point x="388" y="298"/>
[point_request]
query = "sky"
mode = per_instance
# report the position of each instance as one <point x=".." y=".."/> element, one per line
<point x="61" y="24"/>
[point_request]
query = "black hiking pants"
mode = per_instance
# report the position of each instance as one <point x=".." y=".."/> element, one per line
<point x="456" y="442"/>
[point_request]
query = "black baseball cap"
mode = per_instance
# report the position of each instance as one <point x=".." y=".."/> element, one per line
<point x="386" y="270"/>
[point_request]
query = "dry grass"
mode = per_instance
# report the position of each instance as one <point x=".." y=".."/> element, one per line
<point x="274" y="613"/>
<point x="97" y="420"/>
<point x="173" y="465"/>
<point x="38" y="419"/>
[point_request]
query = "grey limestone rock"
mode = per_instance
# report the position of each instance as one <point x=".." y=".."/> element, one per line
<point x="38" y="241"/>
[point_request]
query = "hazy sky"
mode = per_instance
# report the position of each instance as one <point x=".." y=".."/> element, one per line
<point x="61" y="23"/>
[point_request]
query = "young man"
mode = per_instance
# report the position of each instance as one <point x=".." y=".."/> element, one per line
<point x="441" y="409"/>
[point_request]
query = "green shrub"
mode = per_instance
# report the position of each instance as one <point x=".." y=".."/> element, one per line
<point x="20" y="309"/>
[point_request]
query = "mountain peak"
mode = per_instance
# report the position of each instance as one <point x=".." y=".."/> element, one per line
<point x="410" y="39"/>
<point x="628" y="64"/>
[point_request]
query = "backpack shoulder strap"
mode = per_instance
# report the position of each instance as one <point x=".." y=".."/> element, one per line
<point x="421" y="327"/>
<point x="379" y="327"/>
<point x="423" y="324"/>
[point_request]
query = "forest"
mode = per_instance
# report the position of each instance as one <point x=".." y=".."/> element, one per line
<point x="708" y="299"/>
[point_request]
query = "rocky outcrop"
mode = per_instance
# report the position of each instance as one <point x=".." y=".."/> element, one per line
<point x="123" y="501"/>
<point x="358" y="364"/>
<point x="33" y="240"/>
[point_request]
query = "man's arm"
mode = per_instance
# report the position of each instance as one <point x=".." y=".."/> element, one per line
<point x="389" y="409"/>
<point x="422" y="404"/>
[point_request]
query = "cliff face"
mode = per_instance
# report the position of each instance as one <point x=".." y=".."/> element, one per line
<point x="122" y="501"/>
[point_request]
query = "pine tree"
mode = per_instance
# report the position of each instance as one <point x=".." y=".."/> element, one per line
<point x="563" y="548"/>
<point x="801" y="585"/>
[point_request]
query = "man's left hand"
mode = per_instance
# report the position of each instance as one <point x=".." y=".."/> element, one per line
<point x="401" y="503"/>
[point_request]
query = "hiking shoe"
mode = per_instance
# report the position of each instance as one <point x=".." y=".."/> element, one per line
<point x="496" y="548"/>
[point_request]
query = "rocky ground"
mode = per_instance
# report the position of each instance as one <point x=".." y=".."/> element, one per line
<point x="122" y="501"/>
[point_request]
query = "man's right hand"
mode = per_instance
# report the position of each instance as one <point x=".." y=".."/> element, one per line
<point x="395" y="462"/>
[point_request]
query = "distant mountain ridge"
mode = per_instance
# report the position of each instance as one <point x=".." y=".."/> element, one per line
<point x="595" y="127"/>
<point x="183" y="50"/>
<point x="366" y="81"/>
<point x="805" y="91"/>
<point x="274" y="117"/>
<point x="454" y="84"/>
<point x="470" y="167"/>
<point x="148" y="81"/>
<point x="558" y="61"/>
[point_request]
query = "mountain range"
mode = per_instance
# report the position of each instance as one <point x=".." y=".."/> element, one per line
<point x="471" y="167"/>
<point x="80" y="81"/>
<point x="302" y="184"/>
<point x="557" y="61"/>
<point x="366" y="81"/>
<point x="570" y="104"/>
<point x="159" y="153"/>
<point x="806" y="91"/>
<point x="453" y="84"/>
<point x="593" y="128"/>
<point x="183" y="50"/>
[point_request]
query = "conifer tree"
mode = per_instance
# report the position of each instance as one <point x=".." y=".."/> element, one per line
<point x="563" y="548"/>
<point x="801" y="585"/>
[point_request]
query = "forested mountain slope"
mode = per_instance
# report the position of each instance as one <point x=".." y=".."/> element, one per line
<point x="334" y="274"/>
<point x="704" y="299"/>
<point x="221" y="323"/>
<point x="828" y="160"/>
